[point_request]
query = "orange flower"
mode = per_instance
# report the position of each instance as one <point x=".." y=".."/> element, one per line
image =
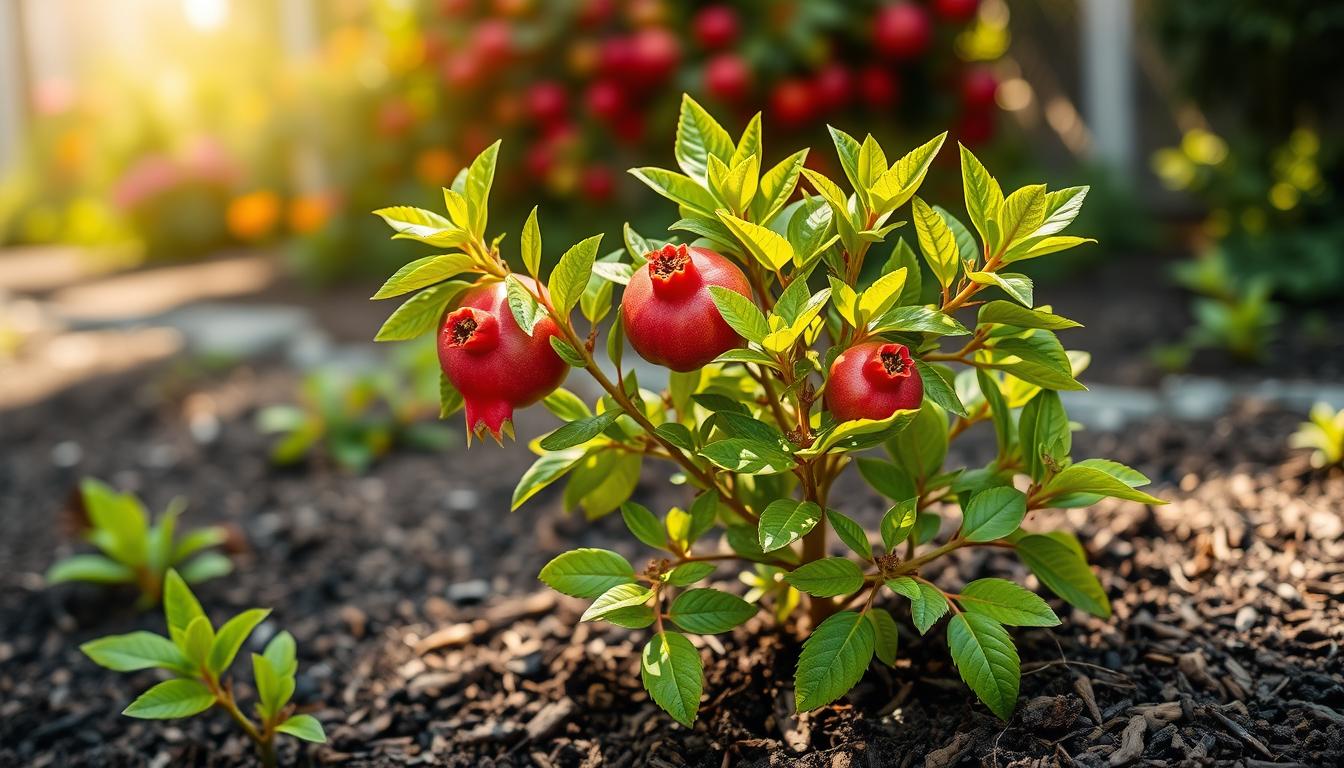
<point x="435" y="166"/>
<point x="307" y="214"/>
<point x="253" y="216"/>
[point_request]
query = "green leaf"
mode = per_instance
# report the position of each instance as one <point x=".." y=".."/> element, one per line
<point x="622" y="601"/>
<point x="567" y="352"/>
<point x="644" y="525"/>
<point x="899" y="183"/>
<point x="767" y="246"/>
<point x="699" y="137"/>
<point x="851" y="533"/>
<point x="480" y="177"/>
<point x="1038" y="359"/>
<point x="676" y="434"/>
<point x="134" y="651"/>
<point x="304" y="727"/>
<point x="121" y="518"/>
<point x="197" y="640"/>
<point x="1079" y="478"/>
<point x="1061" y="208"/>
<point x="672" y="673"/>
<point x="566" y="405"/>
<point x="1063" y="571"/>
<point x="210" y="565"/>
<point x="740" y="312"/>
<point x="966" y="245"/>
<point x="898" y="522"/>
<point x="984" y="197"/>
<point x="1003" y="420"/>
<point x="421" y="313"/>
<point x="179" y="697"/>
<point x="1008" y="313"/>
<point x="530" y="242"/>
<point x="581" y="431"/>
<point x="881" y="295"/>
<point x="750" y="142"/>
<point x="993" y="514"/>
<point x="834" y="657"/>
<point x="424" y="272"/>
<point x="525" y="309"/>
<point x="544" y="471"/>
<point x="195" y="541"/>
<point x="777" y="186"/>
<point x="887" y="478"/>
<point x="936" y="242"/>
<point x="917" y="319"/>
<point x="785" y="521"/>
<point x="709" y="611"/>
<point x="704" y="513"/>
<point x="734" y="186"/>
<point x="750" y="457"/>
<point x="847" y="149"/>
<point x="871" y="162"/>
<point x="587" y="572"/>
<point x="1019" y="287"/>
<point x="231" y="636"/>
<point x="422" y="226"/>
<point x="926" y="527"/>
<point x="571" y="274"/>
<point x="1046" y="247"/>
<point x="746" y="355"/>
<point x="281" y="654"/>
<point x="1043" y="428"/>
<point x="682" y="190"/>
<point x="180" y="607"/>
<point x="689" y="573"/>
<point x="93" y="568"/>
<point x="985" y="657"/>
<point x="273" y="689"/>
<point x="459" y="212"/>
<point x="939" y="388"/>
<point x="927" y="604"/>
<point x="1007" y="603"/>
<point x="1023" y="211"/>
<point x="921" y="447"/>
<point x="886" y="636"/>
<point x="827" y="577"/>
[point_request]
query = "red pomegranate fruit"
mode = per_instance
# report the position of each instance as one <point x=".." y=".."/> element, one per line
<point x="715" y="26"/>
<point x="873" y="380"/>
<point x="494" y="363"/>
<point x="669" y="314"/>
<point x="957" y="11"/>
<point x="727" y="78"/>
<point x="902" y="31"/>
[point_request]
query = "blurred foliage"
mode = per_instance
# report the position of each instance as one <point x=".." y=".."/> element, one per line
<point x="1323" y="434"/>
<point x="354" y="417"/>
<point x="226" y="141"/>
<point x="1271" y="179"/>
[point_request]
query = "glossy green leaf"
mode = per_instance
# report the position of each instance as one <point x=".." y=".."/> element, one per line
<point x="571" y="274"/>
<point x="424" y="272"/>
<point x="643" y="524"/>
<point x="673" y="675"/>
<point x="886" y="636"/>
<point x="231" y="636"/>
<point x="134" y="651"/>
<point x="993" y="514"/>
<point x="304" y="727"/>
<point x="984" y="655"/>
<point x="587" y="572"/>
<point x="785" y="521"/>
<point x="179" y="697"/>
<point x="1007" y="603"/>
<point x="740" y="312"/>
<point x="927" y="604"/>
<point x="851" y="533"/>
<point x="898" y="522"/>
<point x="827" y="577"/>
<point x="834" y="658"/>
<point x="1062" y="569"/>
<point x="708" y="611"/>
<point x="580" y="431"/>
<point x="421" y="313"/>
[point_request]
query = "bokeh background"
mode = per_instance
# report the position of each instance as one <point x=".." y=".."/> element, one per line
<point x="252" y="138"/>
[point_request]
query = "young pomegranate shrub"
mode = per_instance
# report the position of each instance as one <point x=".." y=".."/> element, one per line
<point x="198" y="656"/>
<point x="794" y="355"/>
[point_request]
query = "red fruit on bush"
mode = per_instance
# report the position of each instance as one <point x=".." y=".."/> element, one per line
<point x="976" y="126"/>
<point x="978" y="88"/>
<point x="669" y="314"/>
<point x="654" y="55"/>
<point x="727" y="77"/>
<point x="605" y="99"/>
<point x="616" y="55"/>
<point x="597" y="183"/>
<point x="792" y="102"/>
<point x="833" y="86"/>
<point x="629" y="127"/>
<point x="595" y="12"/>
<point x="959" y="11"/>
<point x="902" y="31"/>
<point x="493" y="40"/>
<point x="494" y="364"/>
<point x="539" y="160"/>
<point x="715" y="26"/>
<point x="873" y="380"/>
<point x="546" y="102"/>
<point x="878" y="87"/>
<point x="463" y="70"/>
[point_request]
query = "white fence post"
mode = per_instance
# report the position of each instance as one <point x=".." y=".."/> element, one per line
<point x="1108" y="80"/>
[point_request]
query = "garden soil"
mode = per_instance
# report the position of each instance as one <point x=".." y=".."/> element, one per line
<point x="425" y="638"/>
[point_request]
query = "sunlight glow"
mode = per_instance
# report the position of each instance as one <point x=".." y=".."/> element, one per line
<point x="206" y="15"/>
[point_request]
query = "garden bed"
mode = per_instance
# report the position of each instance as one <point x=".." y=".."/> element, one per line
<point x="424" y="636"/>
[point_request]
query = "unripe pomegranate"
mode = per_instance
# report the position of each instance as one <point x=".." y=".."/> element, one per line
<point x="959" y="11"/>
<point x="546" y="102"/>
<point x="978" y="87"/>
<point x="715" y="26"/>
<point x="873" y="380"/>
<point x="792" y="102"/>
<point x="902" y="31"/>
<point x="494" y="364"/>
<point x="669" y="313"/>
<point x="727" y="77"/>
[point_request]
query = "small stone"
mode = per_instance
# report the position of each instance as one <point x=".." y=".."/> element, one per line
<point x="1246" y="618"/>
<point x="66" y="454"/>
<point x="355" y="620"/>
<point x="468" y="592"/>
<point x="457" y="634"/>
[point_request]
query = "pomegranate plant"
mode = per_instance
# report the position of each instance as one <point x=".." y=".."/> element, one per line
<point x="795" y="353"/>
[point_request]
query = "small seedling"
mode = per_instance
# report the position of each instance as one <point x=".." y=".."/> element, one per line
<point x="792" y="355"/>
<point x="136" y="552"/>
<point x="198" y="656"/>
<point x="357" y="416"/>
<point x="1323" y="434"/>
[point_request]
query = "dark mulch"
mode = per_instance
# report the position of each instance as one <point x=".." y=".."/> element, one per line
<point x="424" y="636"/>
